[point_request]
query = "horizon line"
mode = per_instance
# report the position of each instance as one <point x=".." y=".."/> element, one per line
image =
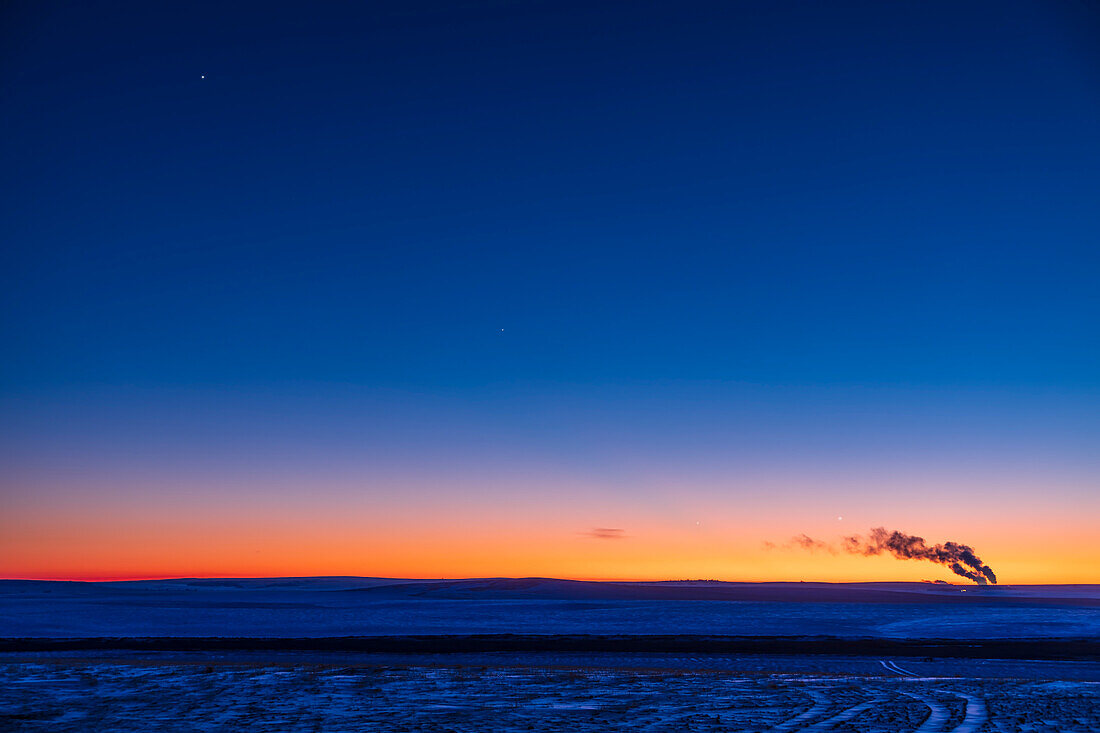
<point x="134" y="579"/>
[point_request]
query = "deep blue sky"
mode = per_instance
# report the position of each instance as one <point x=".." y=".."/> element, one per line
<point x="653" y="255"/>
<point x="369" y="192"/>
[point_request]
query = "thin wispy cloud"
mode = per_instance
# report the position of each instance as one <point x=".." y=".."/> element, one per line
<point x="605" y="533"/>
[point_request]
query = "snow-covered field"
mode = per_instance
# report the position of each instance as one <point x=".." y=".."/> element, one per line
<point x="315" y="607"/>
<point x="59" y="695"/>
<point x="282" y="677"/>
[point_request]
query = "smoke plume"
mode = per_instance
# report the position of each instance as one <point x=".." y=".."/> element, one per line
<point x="961" y="559"/>
<point x="809" y="543"/>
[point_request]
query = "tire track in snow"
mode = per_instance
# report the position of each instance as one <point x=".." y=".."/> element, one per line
<point x="937" y="714"/>
<point x="976" y="714"/>
<point x="843" y="716"/>
<point x="821" y="704"/>
<point x="893" y="667"/>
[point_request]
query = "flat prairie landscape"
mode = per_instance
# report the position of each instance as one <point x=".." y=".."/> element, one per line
<point x="328" y="607"/>
<point x="341" y="654"/>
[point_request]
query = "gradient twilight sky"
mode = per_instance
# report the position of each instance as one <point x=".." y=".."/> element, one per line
<point x="430" y="289"/>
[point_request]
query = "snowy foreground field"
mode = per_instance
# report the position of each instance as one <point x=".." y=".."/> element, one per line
<point x="536" y="654"/>
<point x="593" y="694"/>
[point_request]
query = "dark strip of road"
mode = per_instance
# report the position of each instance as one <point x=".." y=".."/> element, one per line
<point x="1034" y="648"/>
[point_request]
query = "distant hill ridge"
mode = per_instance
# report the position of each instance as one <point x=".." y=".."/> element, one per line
<point x="558" y="589"/>
<point x="580" y="590"/>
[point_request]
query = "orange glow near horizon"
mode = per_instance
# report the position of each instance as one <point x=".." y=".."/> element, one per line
<point x="279" y="547"/>
<point x="484" y="515"/>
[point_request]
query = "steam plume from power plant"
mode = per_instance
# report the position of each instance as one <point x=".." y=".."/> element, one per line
<point x="961" y="559"/>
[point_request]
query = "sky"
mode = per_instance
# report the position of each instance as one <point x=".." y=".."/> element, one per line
<point x="455" y="289"/>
